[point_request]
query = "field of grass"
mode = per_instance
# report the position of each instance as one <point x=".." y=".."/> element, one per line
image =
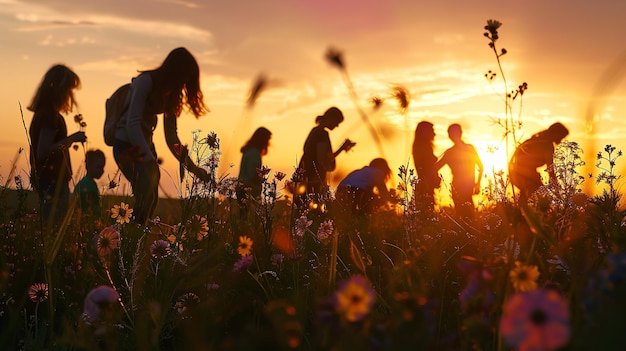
<point x="307" y="275"/>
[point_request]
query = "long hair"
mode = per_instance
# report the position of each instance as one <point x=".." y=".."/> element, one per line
<point x="555" y="133"/>
<point x="260" y="139"/>
<point x="423" y="143"/>
<point x="331" y="116"/>
<point x="56" y="90"/>
<point x="179" y="77"/>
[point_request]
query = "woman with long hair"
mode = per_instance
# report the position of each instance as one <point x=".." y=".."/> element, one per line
<point x="51" y="169"/>
<point x="165" y="90"/>
<point x="251" y="159"/>
<point x="318" y="158"/>
<point x="424" y="160"/>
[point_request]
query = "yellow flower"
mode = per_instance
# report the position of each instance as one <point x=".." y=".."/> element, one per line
<point x="354" y="298"/>
<point x="523" y="277"/>
<point x="121" y="213"/>
<point x="245" y="246"/>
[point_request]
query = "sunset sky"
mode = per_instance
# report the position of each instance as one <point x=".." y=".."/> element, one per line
<point x="571" y="53"/>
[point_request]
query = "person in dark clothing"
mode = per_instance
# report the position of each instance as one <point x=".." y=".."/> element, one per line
<point x="86" y="189"/>
<point x="531" y="154"/>
<point x="318" y="158"/>
<point x="365" y="189"/>
<point x="165" y="90"/>
<point x="424" y="160"/>
<point x="51" y="169"/>
<point x="466" y="168"/>
<point x="251" y="159"/>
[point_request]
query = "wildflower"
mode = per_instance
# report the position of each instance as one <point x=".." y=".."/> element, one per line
<point x="259" y="85"/>
<point x="108" y="240"/>
<point x="212" y="286"/>
<point x="535" y="320"/>
<point x="99" y="300"/>
<point x="243" y="263"/>
<point x="354" y="298"/>
<point x="38" y="292"/>
<point x="492" y="27"/>
<point x="302" y="224"/>
<point x="197" y="225"/>
<point x="262" y="172"/>
<point x="121" y="213"/>
<point x="403" y="96"/>
<point x="245" y="246"/>
<point x="335" y="57"/>
<point x="376" y="102"/>
<point x="160" y="249"/>
<point x="186" y="301"/>
<point x="212" y="140"/>
<point x="277" y="259"/>
<point x="325" y="230"/>
<point x="523" y="277"/>
<point x="280" y="175"/>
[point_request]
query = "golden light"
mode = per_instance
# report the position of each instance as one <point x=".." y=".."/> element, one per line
<point x="493" y="155"/>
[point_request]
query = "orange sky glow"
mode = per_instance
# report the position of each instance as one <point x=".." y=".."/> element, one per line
<point x="570" y="54"/>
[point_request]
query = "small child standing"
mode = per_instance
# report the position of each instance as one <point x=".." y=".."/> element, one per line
<point x="87" y="189"/>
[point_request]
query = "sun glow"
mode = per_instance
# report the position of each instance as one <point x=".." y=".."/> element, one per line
<point x="493" y="155"/>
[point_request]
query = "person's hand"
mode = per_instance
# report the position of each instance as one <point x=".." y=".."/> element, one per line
<point x="476" y="188"/>
<point x="202" y="174"/>
<point x="78" y="137"/>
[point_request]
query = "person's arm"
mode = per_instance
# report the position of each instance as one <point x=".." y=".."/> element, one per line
<point x="142" y="86"/>
<point x="46" y="145"/>
<point x="171" y="138"/>
<point x="479" y="164"/>
<point x="441" y="162"/>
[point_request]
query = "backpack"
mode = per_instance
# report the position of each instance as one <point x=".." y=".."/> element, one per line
<point x="115" y="107"/>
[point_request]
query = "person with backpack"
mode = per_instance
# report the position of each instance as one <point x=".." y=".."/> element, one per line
<point x="51" y="169"/>
<point x="164" y="90"/>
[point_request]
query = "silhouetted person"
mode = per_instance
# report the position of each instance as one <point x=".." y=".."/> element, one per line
<point x="318" y="158"/>
<point x="464" y="163"/>
<point x="51" y="169"/>
<point x="87" y="189"/>
<point x="365" y="189"/>
<point x="165" y="90"/>
<point x="531" y="154"/>
<point x="251" y="160"/>
<point x="424" y="160"/>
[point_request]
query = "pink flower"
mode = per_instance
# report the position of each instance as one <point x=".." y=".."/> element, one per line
<point x="160" y="249"/>
<point x="535" y="320"/>
<point x="108" y="240"/>
<point x="325" y="230"/>
<point x="243" y="263"/>
<point x="99" y="300"/>
<point x="302" y="224"/>
<point x="38" y="292"/>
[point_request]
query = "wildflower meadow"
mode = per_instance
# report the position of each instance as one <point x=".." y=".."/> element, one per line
<point x="294" y="271"/>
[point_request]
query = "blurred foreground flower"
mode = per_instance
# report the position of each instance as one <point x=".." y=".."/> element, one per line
<point x="523" y="277"/>
<point x="99" y="300"/>
<point x="243" y="263"/>
<point x="535" y="320"/>
<point x="160" y="249"/>
<point x="108" y="240"/>
<point x="186" y="301"/>
<point x="325" y="230"/>
<point x="354" y="298"/>
<point x="245" y="246"/>
<point x="38" y="292"/>
<point x="121" y="213"/>
<point x="198" y="226"/>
